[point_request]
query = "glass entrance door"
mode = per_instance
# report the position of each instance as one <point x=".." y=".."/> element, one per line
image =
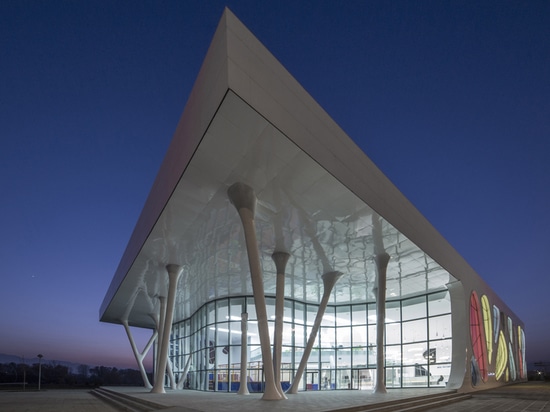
<point x="362" y="379"/>
<point x="312" y="380"/>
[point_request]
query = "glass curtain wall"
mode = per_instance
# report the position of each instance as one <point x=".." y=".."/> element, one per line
<point x="418" y="344"/>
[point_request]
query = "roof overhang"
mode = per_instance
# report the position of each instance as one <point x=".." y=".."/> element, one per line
<point x="248" y="120"/>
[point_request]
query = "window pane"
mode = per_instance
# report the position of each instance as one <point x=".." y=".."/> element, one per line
<point x="440" y="327"/>
<point x="343" y="337"/>
<point x="442" y="350"/>
<point x="223" y="310"/>
<point x="393" y="355"/>
<point x="299" y="313"/>
<point x="439" y="303"/>
<point x="415" y="353"/>
<point x="414" y="308"/>
<point x="202" y="317"/>
<point x="372" y="335"/>
<point x="440" y="374"/>
<point x="253" y="336"/>
<point x="211" y="313"/>
<point x="343" y="316"/>
<point x="359" y="315"/>
<point x="329" y="318"/>
<point x="287" y="311"/>
<point x="393" y="333"/>
<point x="222" y="328"/>
<point x="299" y="336"/>
<point x="287" y="333"/>
<point x="359" y="357"/>
<point x="393" y="377"/>
<point x="251" y="309"/>
<point x="371" y="314"/>
<point x="311" y="313"/>
<point x="415" y="375"/>
<point x="415" y="331"/>
<point x="270" y="308"/>
<point x="237" y="308"/>
<point x="343" y="358"/>
<point x="235" y="333"/>
<point x="328" y="357"/>
<point x="328" y="338"/>
<point x="393" y="312"/>
<point x="359" y="335"/>
<point x="371" y="353"/>
<point x="255" y="354"/>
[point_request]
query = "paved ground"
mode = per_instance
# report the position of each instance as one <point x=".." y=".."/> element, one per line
<point x="69" y="400"/>
<point x="528" y="397"/>
<point x="313" y="401"/>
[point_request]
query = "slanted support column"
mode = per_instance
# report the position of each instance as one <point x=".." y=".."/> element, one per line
<point x="280" y="259"/>
<point x="244" y="199"/>
<point x="170" y="372"/>
<point x="329" y="280"/>
<point x="243" y="386"/>
<point x="381" y="261"/>
<point x="140" y="356"/>
<point x="159" y="374"/>
<point x="183" y="376"/>
<point x="174" y="273"/>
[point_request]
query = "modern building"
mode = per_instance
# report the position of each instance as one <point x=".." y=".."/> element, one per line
<point x="273" y="256"/>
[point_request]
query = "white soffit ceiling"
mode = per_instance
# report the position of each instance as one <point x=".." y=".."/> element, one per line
<point x="301" y="209"/>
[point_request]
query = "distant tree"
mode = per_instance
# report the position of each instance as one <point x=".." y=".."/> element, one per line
<point x="54" y="374"/>
<point x="57" y="374"/>
<point x="8" y="373"/>
<point x="83" y="370"/>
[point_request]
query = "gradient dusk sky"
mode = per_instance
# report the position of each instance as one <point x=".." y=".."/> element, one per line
<point x="451" y="99"/>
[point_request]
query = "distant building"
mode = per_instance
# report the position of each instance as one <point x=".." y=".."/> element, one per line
<point x="331" y="246"/>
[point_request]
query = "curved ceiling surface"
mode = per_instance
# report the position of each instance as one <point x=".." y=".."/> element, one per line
<point x="301" y="209"/>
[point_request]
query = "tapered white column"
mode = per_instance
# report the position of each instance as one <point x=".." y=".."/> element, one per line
<point x="244" y="199"/>
<point x="243" y="386"/>
<point x="381" y="261"/>
<point x="174" y="273"/>
<point x="280" y="259"/>
<point x="329" y="280"/>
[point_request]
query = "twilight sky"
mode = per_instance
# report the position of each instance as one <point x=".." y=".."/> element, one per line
<point x="451" y="99"/>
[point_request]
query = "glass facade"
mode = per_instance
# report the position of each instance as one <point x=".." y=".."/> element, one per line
<point x="418" y="344"/>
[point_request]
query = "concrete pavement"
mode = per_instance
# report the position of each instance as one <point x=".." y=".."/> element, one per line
<point x="526" y="397"/>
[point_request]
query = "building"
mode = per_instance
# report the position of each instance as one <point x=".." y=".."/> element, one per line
<point x="272" y="251"/>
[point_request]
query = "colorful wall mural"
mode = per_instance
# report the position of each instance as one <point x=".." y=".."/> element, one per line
<point x="493" y="336"/>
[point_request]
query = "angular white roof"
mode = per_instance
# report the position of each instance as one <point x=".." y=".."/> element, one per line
<point x="248" y="120"/>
